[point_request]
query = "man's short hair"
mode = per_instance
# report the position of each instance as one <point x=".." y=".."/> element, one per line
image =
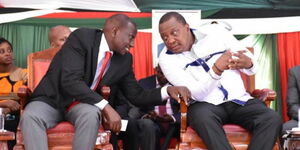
<point x="119" y="20"/>
<point x="171" y="14"/>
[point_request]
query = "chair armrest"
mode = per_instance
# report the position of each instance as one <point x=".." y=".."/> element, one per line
<point x="266" y="95"/>
<point x="183" y="111"/>
<point x="23" y="92"/>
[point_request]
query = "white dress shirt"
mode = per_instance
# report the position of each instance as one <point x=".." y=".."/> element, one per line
<point x="205" y="84"/>
<point x="103" y="48"/>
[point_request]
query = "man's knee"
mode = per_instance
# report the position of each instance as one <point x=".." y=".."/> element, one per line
<point x="274" y="118"/>
<point x="147" y="124"/>
<point x="91" y="118"/>
<point x="29" y="118"/>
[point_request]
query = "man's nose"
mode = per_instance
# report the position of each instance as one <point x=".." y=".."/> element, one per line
<point x="170" y="41"/>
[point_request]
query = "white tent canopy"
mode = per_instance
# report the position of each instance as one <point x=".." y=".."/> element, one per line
<point x="102" y="5"/>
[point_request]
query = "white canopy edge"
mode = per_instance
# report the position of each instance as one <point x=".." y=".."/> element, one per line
<point x="11" y="17"/>
<point x="100" y="5"/>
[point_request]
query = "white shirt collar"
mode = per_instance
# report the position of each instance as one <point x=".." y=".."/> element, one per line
<point x="103" y="44"/>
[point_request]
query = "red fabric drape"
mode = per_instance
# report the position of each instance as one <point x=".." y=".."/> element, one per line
<point x="289" y="55"/>
<point x="142" y="55"/>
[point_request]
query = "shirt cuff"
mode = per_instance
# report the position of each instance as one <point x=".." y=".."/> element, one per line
<point x="164" y="93"/>
<point x="214" y="75"/>
<point x="102" y="104"/>
<point x="252" y="70"/>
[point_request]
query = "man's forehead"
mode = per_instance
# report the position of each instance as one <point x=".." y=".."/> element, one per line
<point x="165" y="28"/>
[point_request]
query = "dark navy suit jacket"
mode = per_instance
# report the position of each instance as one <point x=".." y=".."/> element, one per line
<point x="150" y="83"/>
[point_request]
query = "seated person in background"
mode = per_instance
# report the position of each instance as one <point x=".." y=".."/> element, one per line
<point x="153" y="121"/>
<point x="209" y="64"/>
<point x="165" y="118"/>
<point x="11" y="78"/>
<point x="58" y="35"/>
<point x="129" y="137"/>
<point x="292" y="99"/>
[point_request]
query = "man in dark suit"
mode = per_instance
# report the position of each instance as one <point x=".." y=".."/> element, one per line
<point x="293" y="98"/>
<point x="165" y="117"/>
<point x="70" y="90"/>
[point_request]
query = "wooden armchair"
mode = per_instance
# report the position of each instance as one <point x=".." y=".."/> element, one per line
<point x="238" y="137"/>
<point x="61" y="136"/>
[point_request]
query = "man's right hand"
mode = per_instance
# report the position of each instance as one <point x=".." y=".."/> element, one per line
<point x="112" y="119"/>
<point x="223" y="61"/>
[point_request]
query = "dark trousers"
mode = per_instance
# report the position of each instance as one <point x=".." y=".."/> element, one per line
<point x="151" y="132"/>
<point x="208" y="120"/>
<point x="129" y="137"/>
<point x="11" y="124"/>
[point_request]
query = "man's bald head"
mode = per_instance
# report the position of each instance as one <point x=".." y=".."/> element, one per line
<point x="58" y="35"/>
<point x="119" y="31"/>
<point x="117" y="20"/>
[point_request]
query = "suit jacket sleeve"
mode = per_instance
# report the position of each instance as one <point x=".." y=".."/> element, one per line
<point x="136" y="94"/>
<point x="175" y="108"/>
<point x="74" y="58"/>
<point x="293" y="92"/>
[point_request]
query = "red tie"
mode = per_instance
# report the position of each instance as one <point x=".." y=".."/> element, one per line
<point x="105" y="61"/>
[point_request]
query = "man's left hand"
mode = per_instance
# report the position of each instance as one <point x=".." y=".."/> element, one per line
<point x="242" y="61"/>
<point x="179" y="93"/>
<point x="165" y="118"/>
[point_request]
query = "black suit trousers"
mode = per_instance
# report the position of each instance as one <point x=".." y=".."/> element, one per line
<point x="208" y="120"/>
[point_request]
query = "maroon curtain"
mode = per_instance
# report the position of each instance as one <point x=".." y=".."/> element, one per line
<point x="289" y="56"/>
<point x="142" y="55"/>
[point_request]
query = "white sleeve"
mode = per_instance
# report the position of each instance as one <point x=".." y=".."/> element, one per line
<point x="235" y="45"/>
<point x="101" y="104"/>
<point x="179" y="77"/>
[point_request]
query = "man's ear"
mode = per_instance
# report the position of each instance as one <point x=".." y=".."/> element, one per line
<point x="52" y="44"/>
<point x="187" y="26"/>
<point x="114" y="31"/>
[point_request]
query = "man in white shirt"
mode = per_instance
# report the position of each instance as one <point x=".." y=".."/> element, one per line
<point x="209" y="63"/>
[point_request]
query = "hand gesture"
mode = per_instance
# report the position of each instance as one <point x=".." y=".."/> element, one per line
<point x="241" y="61"/>
<point x="112" y="119"/>
<point x="151" y="115"/>
<point x="165" y="118"/>
<point x="10" y="104"/>
<point x="179" y="92"/>
<point x="222" y="63"/>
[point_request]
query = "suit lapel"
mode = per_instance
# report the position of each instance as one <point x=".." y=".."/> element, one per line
<point x="95" y="52"/>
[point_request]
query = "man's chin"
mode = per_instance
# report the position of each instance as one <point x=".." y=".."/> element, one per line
<point x="176" y="51"/>
<point x="123" y="52"/>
